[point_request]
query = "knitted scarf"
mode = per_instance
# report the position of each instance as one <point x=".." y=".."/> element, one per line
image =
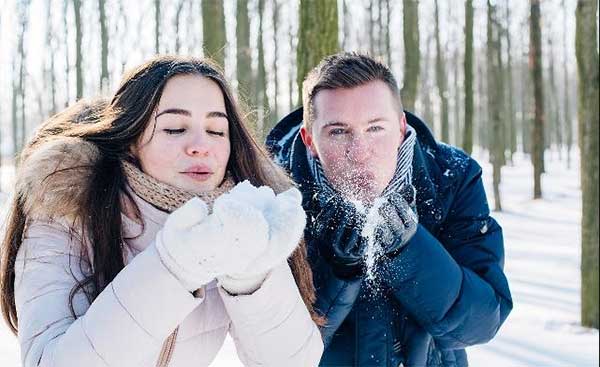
<point x="167" y="197"/>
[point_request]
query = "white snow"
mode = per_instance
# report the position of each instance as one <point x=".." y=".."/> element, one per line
<point x="542" y="240"/>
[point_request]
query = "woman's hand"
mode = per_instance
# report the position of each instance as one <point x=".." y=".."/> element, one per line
<point x="286" y="220"/>
<point x="197" y="247"/>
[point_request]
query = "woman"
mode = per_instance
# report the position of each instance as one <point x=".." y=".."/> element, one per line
<point x="111" y="255"/>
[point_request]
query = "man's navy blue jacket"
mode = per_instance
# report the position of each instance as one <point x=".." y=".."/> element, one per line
<point x="444" y="291"/>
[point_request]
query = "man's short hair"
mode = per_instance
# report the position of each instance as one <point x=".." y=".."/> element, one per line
<point x="344" y="70"/>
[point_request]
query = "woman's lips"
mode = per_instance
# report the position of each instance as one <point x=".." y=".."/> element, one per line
<point x="198" y="173"/>
<point x="198" y="176"/>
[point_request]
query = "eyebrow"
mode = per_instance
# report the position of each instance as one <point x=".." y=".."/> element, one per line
<point x="342" y="124"/>
<point x="376" y="119"/>
<point x="181" y="111"/>
<point x="333" y="124"/>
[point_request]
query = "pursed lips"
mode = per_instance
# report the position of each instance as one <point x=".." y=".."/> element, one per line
<point x="198" y="173"/>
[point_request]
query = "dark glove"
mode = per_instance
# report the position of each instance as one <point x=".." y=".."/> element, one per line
<point x="398" y="222"/>
<point x="336" y="232"/>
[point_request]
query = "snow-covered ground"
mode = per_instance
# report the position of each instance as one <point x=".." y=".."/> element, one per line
<point x="542" y="239"/>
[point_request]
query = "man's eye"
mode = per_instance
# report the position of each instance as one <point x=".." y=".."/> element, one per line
<point x="375" y="128"/>
<point x="174" y="131"/>
<point x="337" y="132"/>
<point x="216" y="133"/>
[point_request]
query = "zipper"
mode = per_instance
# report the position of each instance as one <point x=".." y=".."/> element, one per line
<point x="167" y="350"/>
<point x="168" y="347"/>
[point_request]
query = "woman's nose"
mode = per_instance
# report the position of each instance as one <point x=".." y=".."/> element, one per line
<point x="198" y="145"/>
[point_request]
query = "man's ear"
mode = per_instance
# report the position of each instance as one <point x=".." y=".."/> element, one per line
<point x="403" y="124"/>
<point x="308" y="141"/>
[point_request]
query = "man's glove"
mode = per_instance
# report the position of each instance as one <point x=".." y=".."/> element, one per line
<point x="398" y="223"/>
<point x="336" y="231"/>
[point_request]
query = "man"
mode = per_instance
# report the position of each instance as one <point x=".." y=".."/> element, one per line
<point x="407" y="262"/>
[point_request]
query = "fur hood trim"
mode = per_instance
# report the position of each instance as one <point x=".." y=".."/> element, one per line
<point x="53" y="178"/>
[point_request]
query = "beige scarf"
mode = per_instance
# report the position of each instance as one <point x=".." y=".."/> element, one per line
<point x="168" y="198"/>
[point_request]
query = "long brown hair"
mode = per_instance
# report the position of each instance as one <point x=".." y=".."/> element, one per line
<point x="119" y="127"/>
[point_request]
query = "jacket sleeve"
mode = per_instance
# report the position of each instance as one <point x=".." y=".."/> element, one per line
<point x="124" y="326"/>
<point x="272" y="326"/>
<point x="335" y="296"/>
<point x="454" y="285"/>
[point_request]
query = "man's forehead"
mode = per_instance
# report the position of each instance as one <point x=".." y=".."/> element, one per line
<point x="367" y="103"/>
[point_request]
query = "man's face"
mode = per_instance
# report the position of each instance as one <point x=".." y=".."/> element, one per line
<point x="356" y="135"/>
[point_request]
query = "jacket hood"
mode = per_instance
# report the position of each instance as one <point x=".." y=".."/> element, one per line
<point x="53" y="177"/>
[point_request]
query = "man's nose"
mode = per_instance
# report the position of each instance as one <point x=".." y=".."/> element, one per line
<point x="358" y="150"/>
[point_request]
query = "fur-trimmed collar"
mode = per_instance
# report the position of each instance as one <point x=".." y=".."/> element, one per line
<point x="53" y="177"/>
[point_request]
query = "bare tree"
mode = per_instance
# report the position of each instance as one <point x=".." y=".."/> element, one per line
<point x="261" y="78"/>
<point x="411" y="53"/>
<point x="244" y="52"/>
<point x="176" y="22"/>
<point x="511" y="129"/>
<point x="104" y="45"/>
<point x="468" y="65"/>
<point x="156" y="26"/>
<point x="213" y="30"/>
<point x="495" y="100"/>
<point x="19" y="129"/>
<point x="317" y="36"/>
<point x="567" y="119"/>
<point x="66" y="45"/>
<point x="50" y="70"/>
<point x="78" y="45"/>
<point x="588" y="113"/>
<point x="275" y="112"/>
<point x="440" y="77"/>
<point x="535" y="55"/>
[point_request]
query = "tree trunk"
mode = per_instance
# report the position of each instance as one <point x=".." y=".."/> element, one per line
<point x="15" y="111"/>
<point x="535" y="57"/>
<point x="317" y="36"/>
<point x="512" y="129"/>
<point x="104" y="46"/>
<point x="426" y="90"/>
<point x="588" y="115"/>
<point x="495" y="103"/>
<point x="244" y="52"/>
<point x="78" y="45"/>
<point x="468" y="128"/>
<point x="291" y="76"/>
<point x="50" y="71"/>
<point x="411" y="53"/>
<point x="371" y="27"/>
<point x="176" y="22"/>
<point x="567" y="121"/>
<point x="557" y="133"/>
<point x="156" y="26"/>
<point x="66" y="43"/>
<point x="275" y="114"/>
<point x="457" y="100"/>
<point x="213" y="30"/>
<point x="388" y="47"/>
<point x="440" y="77"/>
<point x="261" y="82"/>
<point x="23" y="10"/>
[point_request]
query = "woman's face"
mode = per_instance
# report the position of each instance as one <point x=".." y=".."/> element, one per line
<point x="186" y="143"/>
